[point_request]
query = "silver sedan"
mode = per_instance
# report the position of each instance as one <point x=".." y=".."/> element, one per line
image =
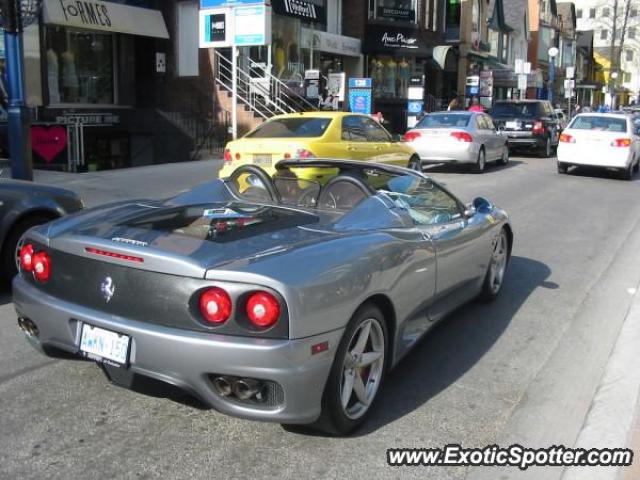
<point x="458" y="137"/>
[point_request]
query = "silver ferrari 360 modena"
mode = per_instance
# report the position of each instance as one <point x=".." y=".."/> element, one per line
<point x="283" y="298"/>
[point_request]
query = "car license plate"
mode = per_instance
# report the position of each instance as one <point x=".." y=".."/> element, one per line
<point x="104" y="344"/>
<point x="262" y="159"/>
<point x="512" y="125"/>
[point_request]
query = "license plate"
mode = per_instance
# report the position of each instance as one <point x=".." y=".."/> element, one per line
<point x="512" y="125"/>
<point x="262" y="159"/>
<point x="104" y="344"/>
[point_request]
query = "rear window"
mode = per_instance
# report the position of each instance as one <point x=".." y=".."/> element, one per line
<point x="515" y="110"/>
<point x="302" y="127"/>
<point x="599" y="123"/>
<point x="444" y="120"/>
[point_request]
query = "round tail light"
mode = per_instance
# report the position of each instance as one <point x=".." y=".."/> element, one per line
<point x="26" y="257"/>
<point x="215" y="305"/>
<point x="263" y="309"/>
<point x="41" y="266"/>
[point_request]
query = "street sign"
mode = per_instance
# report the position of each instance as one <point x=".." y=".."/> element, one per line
<point x="569" y="84"/>
<point x="251" y="26"/>
<point x="570" y="72"/>
<point x="519" y="66"/>
<point x="216" y="28"/>
<point x="522" y="82"/>
<point x="414" y="107"/>
<point x="527" y="68"/>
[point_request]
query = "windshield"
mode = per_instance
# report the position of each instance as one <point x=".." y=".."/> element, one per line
<point x="445" y="120"/>
<point x="296" y="127"/>
<point x="599" y="123"/>
<point x="515" y="110"/>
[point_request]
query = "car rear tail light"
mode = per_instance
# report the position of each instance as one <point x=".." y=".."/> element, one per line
<point x="621" y="142"/>
<point x="462" y="137"/>
<point x="411" y="136"/>
<point x="263" y="309"/>
<point x="302" y="153"/>
<point x="41" y="266"/>
<point x="566" y="138"/>
<point x="538" y="127"/>
<point x="26" y="257"/>
<point x="227" y="155"/>
<point x="120" y="256"/>
<point x="215" y="305"/>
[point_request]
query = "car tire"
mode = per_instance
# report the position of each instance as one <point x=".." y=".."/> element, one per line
<point x="627" y="174"/>
<point x="344" y="412"/>
<point x="562" y="167"/>
<point x="481" y="162"/>
<point x="415" y="163"/>
<point x="546" y="150"/>
<point x="504" y="160"/>
<point x="494" y="278"/>
<point x="8" y="254"/>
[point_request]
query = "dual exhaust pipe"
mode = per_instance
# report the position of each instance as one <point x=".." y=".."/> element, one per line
<point x="242" y="388"/>
<point x="28" y="327"/>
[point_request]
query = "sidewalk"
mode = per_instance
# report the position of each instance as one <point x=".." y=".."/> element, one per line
<point x="633" y="472"/>
<point x="153" y="181"/>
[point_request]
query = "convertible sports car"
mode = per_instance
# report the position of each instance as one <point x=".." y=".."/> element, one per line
<point x="270" y="298"/>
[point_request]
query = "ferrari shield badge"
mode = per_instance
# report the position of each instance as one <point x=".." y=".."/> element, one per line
<point x="107" y="288"/>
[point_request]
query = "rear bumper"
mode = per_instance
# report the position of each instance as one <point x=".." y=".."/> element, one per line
<point x="190" y="360"/>
<point x="529" y="141"/>
<point x="455" y="152"/>
<point x="610" y="160"/>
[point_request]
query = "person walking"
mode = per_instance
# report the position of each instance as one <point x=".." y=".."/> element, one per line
<point x="454" y="104"/>
<point x="475" y="105"/>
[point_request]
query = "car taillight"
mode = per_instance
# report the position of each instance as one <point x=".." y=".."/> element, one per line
<point x="621" y="142"/>
<point x="566" y="138"/>
<point x="263" y="309"/>
<point x="538" y="127"/>
<point x="26" y="257"/>
<point x="41" y="266"/>
<point x="215" y="305"/>
<point x="462" y="137"/>
<point x="411" y="136"/>
<point x="227" y="155"/>
<point x="302" y="153"/>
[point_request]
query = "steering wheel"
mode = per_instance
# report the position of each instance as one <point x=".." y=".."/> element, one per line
<point x="258" y="172"/>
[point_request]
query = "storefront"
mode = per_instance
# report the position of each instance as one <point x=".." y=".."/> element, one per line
<point x="100" y="67"/>
<point x="394" y="56"/>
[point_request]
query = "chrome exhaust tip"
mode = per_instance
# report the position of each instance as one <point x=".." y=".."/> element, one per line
<point x="28" y="327"/>
<point x="246" y="388"/>
<point x="222" y="386"/>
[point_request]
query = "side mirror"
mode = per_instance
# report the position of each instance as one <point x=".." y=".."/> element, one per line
<point x="469" y="211"/>
<point x="482" y="205"/>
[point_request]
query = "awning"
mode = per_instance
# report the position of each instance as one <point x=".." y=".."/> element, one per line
<point x="105" y="16"/>
<point x="440" y="53"/>
<point x="331" y="43"/>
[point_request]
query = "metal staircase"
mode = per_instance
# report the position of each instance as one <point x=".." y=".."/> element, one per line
<point x="259" y="91"/>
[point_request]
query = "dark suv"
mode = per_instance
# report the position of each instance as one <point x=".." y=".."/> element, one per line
<point x="528" y="124"/>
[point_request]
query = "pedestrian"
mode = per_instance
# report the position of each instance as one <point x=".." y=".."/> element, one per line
<point x="454" y="104"/>
<point x="475" y="105"/>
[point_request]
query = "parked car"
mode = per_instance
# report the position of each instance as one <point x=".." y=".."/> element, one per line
<point x="22" y="206"/>
<point x="313" y="135"/>
<point x="529" y="125"/>
<point x="275" y="299"/>
<point x="602" y="140"/>
<point x="458" y="137"/>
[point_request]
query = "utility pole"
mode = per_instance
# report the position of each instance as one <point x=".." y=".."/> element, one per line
<point x="14" y="16"/>
<point x="612" y="51"/>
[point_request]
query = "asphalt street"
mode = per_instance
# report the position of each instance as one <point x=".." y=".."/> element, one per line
<point x="521" y="370"/>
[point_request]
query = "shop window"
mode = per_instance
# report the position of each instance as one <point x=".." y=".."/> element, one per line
<point x="592" y="13"/>
<point x="80" y="66"/>
<point x="604" y="33"/>
<point x="631" y="33"/>
<point x="633" y="12"/>
<point x="605" y="12"/>
<point x="452" y="20"/>
<point x="629" y="55"/>
<point x="391" y="76"/>
<point x="579" y="13"/>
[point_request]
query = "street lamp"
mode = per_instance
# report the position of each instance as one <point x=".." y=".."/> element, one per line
<point x="15" y="15"/>
<point x="614" y="76"/>
<point x="553" y="53"/>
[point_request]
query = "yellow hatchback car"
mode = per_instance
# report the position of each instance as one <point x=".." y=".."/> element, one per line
<point x="340" y="135"/>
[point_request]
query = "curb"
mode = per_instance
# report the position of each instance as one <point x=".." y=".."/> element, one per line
<point x="612" y="416"/>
